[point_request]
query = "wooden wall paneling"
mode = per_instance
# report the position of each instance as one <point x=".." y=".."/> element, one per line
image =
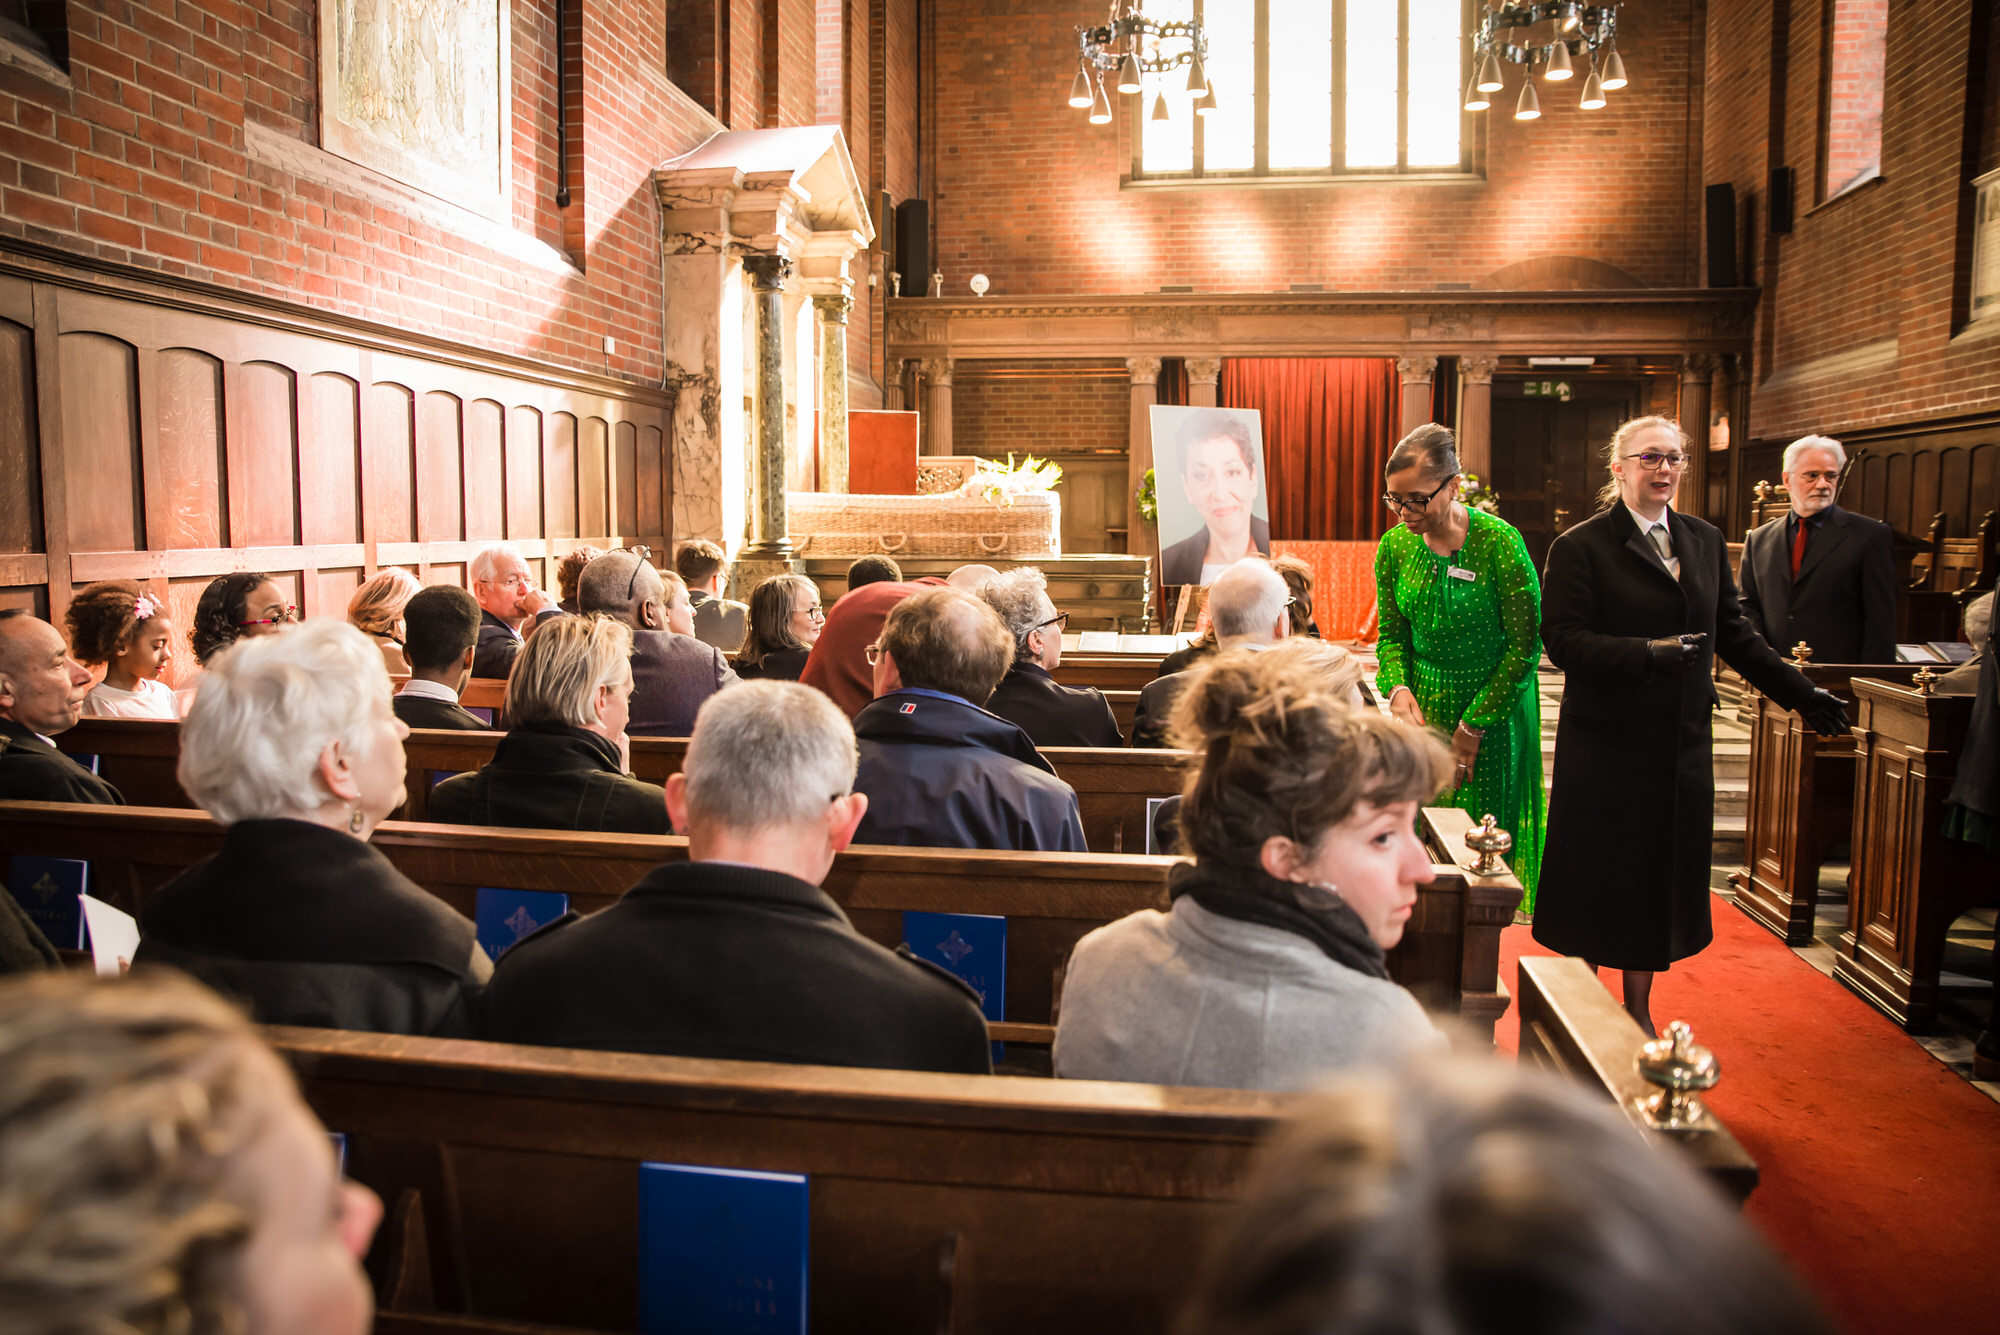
<point x="20" y="476"/>
<point x="451" y="572"/>
<point x="1896" y="511"/>
<point x="328" y="591"/>
<point x="652" y="483"/>
<point x="156" y="505"/>
<point x="1983" y="485"/>
<point x="559" y="473"/>
<point x="182" y="596"/>
<point x="1926" y="496"/>
<point x="330" y="459"/>
<point x="440" y="468"/>
<point x="1954" y="489"/>
<point x="263" y="416"/>
<point x="625" y="482"/>
<point x="524" y="473"/>
<point x="485" y="471"/>
<point x="391" y="462"/>
<point x="593" y="469"/>
<point x="100" y="391"/>
<point x="54" y="469"/>
<point x="187" y="406"/>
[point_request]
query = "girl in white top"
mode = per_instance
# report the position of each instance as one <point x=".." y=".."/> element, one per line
<point x="117" y="624"/>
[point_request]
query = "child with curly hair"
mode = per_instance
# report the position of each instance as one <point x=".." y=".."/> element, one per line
<point x="118" y="624"/>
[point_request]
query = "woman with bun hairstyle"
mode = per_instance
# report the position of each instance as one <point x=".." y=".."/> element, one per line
<point x="376" y="610"/>
<point x="118" y="624"/>
<point x="1269" y="969"/>
<point x="234" y="606"/>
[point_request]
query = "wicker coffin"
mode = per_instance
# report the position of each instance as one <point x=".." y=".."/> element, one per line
<point x="828" y="524"/>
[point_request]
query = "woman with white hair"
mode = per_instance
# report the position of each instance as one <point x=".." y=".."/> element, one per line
<point x="563" y="763"/>
<point x="292" y="744"/>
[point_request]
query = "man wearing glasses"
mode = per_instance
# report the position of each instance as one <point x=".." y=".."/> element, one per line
<point x="1250" y="608"/>
<point x="1028" y="696"/>
<point x="508" y="601"/>
<point x="1822" y="574"/>
<point x="673" y="673"/>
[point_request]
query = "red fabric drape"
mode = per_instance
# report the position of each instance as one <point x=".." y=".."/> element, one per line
<point x="1329" y="424"/>
<point x="1173" y="383"/>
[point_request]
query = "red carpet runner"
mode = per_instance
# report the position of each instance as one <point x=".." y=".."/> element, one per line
<point x="1880" y="1168"/>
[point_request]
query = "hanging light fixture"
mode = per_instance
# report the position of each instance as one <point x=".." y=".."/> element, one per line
<point x="1079" y="90"/>
<point x="1551" y="33"/>
<point x="1127" y="47"/>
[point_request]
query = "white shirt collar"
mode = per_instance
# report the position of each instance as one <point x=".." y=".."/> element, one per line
<point x="429" y="690"/>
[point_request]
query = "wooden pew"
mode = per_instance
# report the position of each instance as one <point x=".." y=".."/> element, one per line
<point x="1569" y="1023"/>
<point x="1800" y="802"/>
<point x="966" y="1203"/>
<point x="1449" y="957"/>
<point x="1910" y="881"/>
<point x="1122" y="672"/>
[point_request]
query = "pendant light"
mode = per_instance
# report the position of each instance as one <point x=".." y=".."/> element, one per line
<point x="1197" y="80"/>
<point x="1489" y="74"/>
<point x="1100" y="107"/>
<point x="1593" y="90"/>
<point x="1529" y="108"/>
<point x="1160" y="107"/>
<point x="1475" y="100"/>
<point x="1559" y="63"/>
<point x="1614" y="71"/>
<point x="1128" y="74"/>
<point x="1079" y="91"/>
<point x="1205" y="104"/>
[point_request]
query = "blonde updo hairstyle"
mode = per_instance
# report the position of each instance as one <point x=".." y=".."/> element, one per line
<point x="123" y="1105"/>
<point x="1279" y="752"/>
<point x="1620" y="446"/>
<point x="377" y="606"/>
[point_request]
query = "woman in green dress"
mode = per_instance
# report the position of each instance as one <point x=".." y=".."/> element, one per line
<point x="1461" y="609"/>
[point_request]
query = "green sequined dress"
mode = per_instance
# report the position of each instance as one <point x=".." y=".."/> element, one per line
<point x="1468" y="649"/>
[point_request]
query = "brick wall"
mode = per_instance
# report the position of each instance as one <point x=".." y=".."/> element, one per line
<point x="1030" y="194"/>
<point x="1034" y="407"/>
<point x="1857" y="39"/>
<point x="1859" y="323"/>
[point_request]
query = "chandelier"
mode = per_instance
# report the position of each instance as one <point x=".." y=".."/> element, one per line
<point x="1575" y="31"/>
<point x="1128" y="45"/>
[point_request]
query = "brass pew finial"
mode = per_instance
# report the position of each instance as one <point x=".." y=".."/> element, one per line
<point x="1801" y="654"/>
<point x="1925" y="681"/>
<point x="1491" y="843"/>
<point x="1681" y="1069"/>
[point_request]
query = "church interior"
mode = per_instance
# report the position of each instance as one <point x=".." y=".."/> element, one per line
<point x="322" y="288"/>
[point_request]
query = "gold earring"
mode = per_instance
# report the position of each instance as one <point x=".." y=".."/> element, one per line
<point x="356" y="818"/>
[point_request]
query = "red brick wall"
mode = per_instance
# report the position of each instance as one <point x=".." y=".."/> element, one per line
<point x="1874" y="273"/>
<point x="1853" y="63"/>
<point x="1029" y="193"/>
<point x="1034" y="407"/>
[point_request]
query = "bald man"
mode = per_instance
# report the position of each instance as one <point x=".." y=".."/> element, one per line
<point x="1249" y="607"/>
<point x="41" y="695"/>
<point x="673" y="673"/>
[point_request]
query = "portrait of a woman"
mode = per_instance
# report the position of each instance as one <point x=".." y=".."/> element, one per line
<point x="1219" y="461"/>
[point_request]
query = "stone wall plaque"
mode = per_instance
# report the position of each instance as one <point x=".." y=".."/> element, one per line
<point x="1986" y="247"/>
<point x="421" y="90"/>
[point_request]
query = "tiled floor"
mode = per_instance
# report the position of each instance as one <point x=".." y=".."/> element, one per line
<point x="1967" y="980"/>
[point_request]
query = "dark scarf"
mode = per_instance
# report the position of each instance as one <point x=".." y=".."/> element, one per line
<point x="1254" y="897"/>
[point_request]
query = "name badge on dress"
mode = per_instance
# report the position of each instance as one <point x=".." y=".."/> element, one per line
<point x="1460" y="572"/>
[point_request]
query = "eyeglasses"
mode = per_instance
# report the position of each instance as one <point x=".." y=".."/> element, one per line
<point x="289" y="614"/>
<point x="1414" y="504"/>
<point x="873" y="653"/>
<point x="816" y="612"/>
<point x="645" y="554"/>
<point x="1654" y="460"/>
<point x="1060" y="619"/>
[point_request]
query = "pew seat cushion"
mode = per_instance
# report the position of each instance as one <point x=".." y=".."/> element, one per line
<point x="1189" y="997"/>
<point x="721" y="960"/>
<point x="552" y="777"/>
<point x="310" y="926"/>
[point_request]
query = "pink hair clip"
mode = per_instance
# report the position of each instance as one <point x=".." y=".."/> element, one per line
<point x="144" y="608"/>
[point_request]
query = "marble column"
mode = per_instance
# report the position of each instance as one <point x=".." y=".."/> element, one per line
<point x="1145" y="372"/>
<point x="769" y="538"/>
<point x="1415" y="373"/>
<point x="1475" y="416"/>
<point x="1202" y="374"/>
<point x="937" y="431"/>
<point x="1697" y="377"/>
<point x="833" y="390"/>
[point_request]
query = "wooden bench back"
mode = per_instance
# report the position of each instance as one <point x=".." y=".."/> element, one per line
<point x="967" y="1203"/>
<point x="1449" y="956"/>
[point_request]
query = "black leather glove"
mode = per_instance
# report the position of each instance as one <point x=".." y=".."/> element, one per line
<point x="1676" y="655"/>
<point x="1826" y="715"/>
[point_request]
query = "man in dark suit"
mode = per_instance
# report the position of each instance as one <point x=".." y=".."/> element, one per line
<point x="509" y="602"/>
<point x="720" y="621"/>
<point x="441" y="627"/>
<point x="736" y="953"/>
<point x="673" y="673"/>
<point x="41" y="694"/>
<point x="1028" y="696"/>
<point x="1822" y="574"/>
<point x="1248" y="606"/>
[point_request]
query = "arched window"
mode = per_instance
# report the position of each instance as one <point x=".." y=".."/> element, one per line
<point x="1313" y="88"/>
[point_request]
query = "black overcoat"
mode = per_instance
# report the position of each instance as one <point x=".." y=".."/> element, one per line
<point x="1625" y="873"/>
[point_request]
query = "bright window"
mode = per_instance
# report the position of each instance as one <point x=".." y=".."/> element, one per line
<point x="1314" y="88"/>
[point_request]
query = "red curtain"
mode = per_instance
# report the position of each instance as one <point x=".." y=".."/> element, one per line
<point x="1329" y="424"/>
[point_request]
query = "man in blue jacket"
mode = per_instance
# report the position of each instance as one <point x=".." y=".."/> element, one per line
<point x="939" y="770"/>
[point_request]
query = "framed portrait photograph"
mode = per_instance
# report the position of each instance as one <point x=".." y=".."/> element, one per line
<point x="1208" y="473"/>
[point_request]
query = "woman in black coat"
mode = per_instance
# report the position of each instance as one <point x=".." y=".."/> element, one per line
<point x="1625" y="878"/>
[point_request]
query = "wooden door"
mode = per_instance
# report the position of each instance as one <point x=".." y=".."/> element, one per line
<point x="1548" y="452"/>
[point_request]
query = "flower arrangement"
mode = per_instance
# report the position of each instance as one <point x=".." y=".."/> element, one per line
<point x="1477" y="495"/>
<point x="1149" y="500"/>
<point x="1000" y="483"/>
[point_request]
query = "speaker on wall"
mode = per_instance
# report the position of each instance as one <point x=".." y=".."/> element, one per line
<point x="1721" y="201"/>
<point x="913" y="246"/>
<point x="1780" y="208"/>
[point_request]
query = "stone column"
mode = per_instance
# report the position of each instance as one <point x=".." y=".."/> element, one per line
<point x="1145" y="372"/>
<point x="833" y="389"/>
<point x="1475" y="416"/>
<point x="892" y="386"/>
<point x="937" y="431"/>
<point x="1697" y="375"/>
<point x="1202" y="374"/>
<point x="769" y="538"/>
<point x="1415" y="373"/>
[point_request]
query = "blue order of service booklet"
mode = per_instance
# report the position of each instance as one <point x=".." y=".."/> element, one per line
<point x="50" y="891"/>
<point x="503" y="918"/>
<point x="722" y="1251"/>
<point x="971" y="946"/>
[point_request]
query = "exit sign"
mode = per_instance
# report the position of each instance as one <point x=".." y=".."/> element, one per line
<point x="1547" y="389"/>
